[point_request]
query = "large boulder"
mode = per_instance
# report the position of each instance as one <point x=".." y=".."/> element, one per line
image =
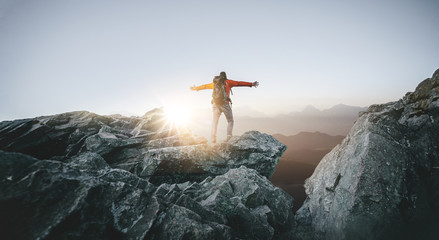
<point x="51" y="199"/>
<point x="382" y="181"/>
<point x="194" y="163"/>
<point x="238" y="204"/>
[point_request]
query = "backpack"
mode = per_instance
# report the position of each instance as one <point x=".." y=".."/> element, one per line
<point x="219" y="95"/>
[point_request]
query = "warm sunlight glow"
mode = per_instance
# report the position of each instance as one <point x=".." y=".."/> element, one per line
<point x="177" y="115"/>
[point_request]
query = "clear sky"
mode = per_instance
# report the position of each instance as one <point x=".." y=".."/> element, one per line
<point x="131" y="56"/>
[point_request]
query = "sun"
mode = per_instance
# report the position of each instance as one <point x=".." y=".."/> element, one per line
<point x="177" y="115"/>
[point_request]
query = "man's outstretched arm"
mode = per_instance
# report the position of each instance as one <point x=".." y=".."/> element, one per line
<point x="202" y="87"/>
<point x="242" y="84"/>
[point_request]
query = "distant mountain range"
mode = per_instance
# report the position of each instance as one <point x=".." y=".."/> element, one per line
<point x="337" y="110"/>
<point x="304" y="152"/>
<point x="336" y="120"/>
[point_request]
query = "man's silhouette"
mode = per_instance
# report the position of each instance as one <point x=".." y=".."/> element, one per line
<point x="221" y="100"/>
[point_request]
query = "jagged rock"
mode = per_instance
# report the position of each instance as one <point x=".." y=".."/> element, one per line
<point x="240" y="203"/>
<point x="249" y="201"/>
<point x="88" y="161"/>
<point x="182" y="223"/>
<point x="70" y="133"/>
<point x="382" y="181"/>
<point x="147" y="146"/>
<point x="51" y="199"/>
<point x="115" y="138"/>
<point x="81" y="181"/>
<point x="253" y="149"/>
<point x="59" y="135"/>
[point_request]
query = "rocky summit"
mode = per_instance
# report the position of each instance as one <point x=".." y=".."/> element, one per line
<point x="80" y="175"/>
<point x="382" y="181"/>
<point x="83" y="176"/>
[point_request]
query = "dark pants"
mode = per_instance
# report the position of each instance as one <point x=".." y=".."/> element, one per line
<point x="217" y="110"/>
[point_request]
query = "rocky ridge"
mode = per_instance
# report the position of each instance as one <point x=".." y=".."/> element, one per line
<point x="80" y="175"/>
<point x="382" y="181"/>
<point x="148" y="146"/>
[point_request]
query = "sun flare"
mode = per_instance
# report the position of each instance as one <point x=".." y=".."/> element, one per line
<point x="177" y="115"/>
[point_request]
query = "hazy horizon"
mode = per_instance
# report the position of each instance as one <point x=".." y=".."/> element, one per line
<point x="240" y="111"/>
<point x="129" y="57"/>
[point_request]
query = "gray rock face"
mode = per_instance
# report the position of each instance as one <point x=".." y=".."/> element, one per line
<point x="239" y="204"/>
<point x="84" y="176"/>
<point x="147" y="146"/>
<point x="172" y="164"/>
<point x="85" y="199"/>
<point x="51" y="199"/>
<point x="382" y="181"/>
<point x="59" y="135"/>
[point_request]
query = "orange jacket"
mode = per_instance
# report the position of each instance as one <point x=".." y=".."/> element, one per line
<point x="229" y="85"/>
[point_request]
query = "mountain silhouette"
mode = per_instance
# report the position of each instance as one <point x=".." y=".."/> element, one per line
<point x="336" y="120"/>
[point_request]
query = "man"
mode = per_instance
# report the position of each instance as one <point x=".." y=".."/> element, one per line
<point x="221" y="100"/>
